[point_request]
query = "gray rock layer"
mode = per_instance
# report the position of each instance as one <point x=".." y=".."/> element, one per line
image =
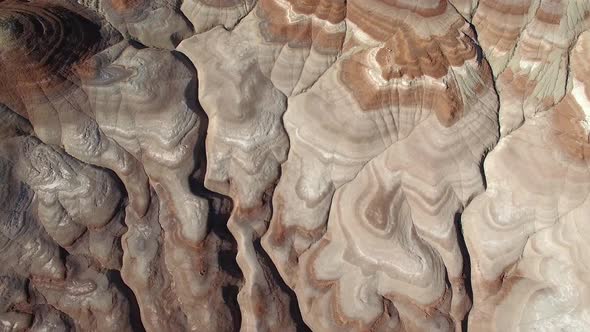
<point x="294" y="165"/>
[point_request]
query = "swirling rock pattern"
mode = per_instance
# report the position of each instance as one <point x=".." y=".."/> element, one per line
<point x="206" y="14"/>
<point x="294" y="165"/>
<point x="528" y="44"/>
<point x="528" y="268"/>
<point x="153" y="23"/>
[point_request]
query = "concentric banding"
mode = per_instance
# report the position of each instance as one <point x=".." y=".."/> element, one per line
<point x="42" y="44"/>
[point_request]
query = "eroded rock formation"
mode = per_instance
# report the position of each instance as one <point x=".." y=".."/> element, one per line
<point x="294" y="165"/>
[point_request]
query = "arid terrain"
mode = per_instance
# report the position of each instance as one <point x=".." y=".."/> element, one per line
<point x="294" y="165"/>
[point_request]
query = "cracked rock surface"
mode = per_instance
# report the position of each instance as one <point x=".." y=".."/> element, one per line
<point x="294" y="165"/>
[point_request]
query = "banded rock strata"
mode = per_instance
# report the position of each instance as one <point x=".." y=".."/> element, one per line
<point x="294" y="165"/>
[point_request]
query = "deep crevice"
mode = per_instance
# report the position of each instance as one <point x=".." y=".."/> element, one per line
<point x="134" y="312"/>
<point x="293" y="304"/>
<point x="466" y="265"/>
<point x="230" y="296"/>
<point x="220" y="206"/>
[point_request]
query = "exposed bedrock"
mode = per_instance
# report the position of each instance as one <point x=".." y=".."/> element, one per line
<point x="294" y="165"/>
